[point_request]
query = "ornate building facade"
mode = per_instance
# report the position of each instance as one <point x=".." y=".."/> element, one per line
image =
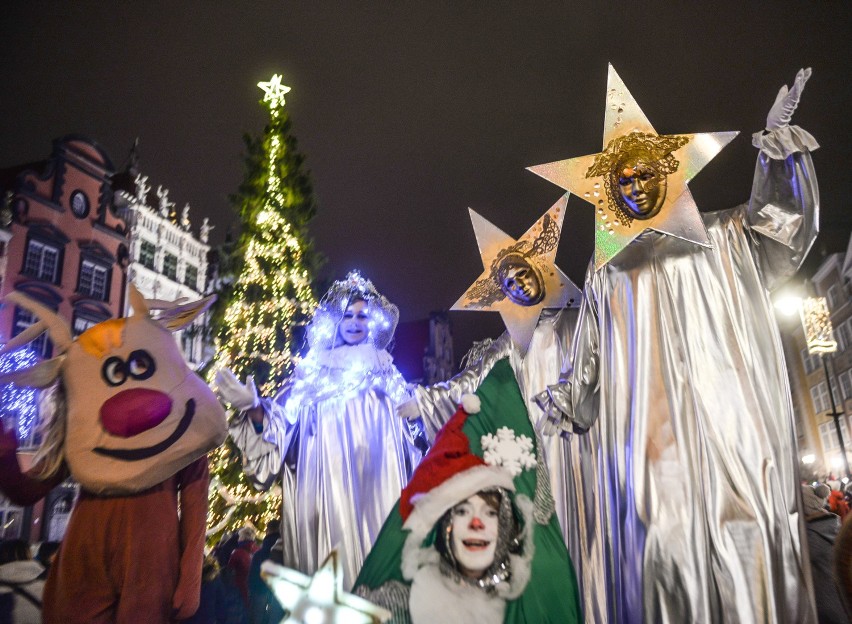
<point x="167" y="260"/>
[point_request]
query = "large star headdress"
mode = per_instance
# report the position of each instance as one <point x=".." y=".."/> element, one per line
<point x="537" y="248"/>
<point x="319" y="598"/>
<point x="629" y="135"/>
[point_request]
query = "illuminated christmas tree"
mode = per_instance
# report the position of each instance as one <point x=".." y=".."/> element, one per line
<point x="270" y="299"/>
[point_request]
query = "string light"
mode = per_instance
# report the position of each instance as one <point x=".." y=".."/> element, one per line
<point x="19" y="402"/>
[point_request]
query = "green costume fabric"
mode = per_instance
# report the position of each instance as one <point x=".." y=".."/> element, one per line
<point x="551" y="596"/>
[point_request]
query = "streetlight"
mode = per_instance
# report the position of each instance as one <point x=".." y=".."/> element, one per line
<point x="819" y="336"/>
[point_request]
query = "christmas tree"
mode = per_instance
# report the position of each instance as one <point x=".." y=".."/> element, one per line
<point x="264" y="308"/>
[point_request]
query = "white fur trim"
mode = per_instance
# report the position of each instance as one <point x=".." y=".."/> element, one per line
<point x="471" y="403"/>
<point x="435" y="598"/>
<point x="431" y="505"/>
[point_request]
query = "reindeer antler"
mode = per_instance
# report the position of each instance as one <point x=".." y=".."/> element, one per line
<point x="49" y="320"/>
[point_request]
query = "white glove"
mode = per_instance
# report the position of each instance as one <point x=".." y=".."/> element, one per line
<point x="786" y="102"/>
<point x="408" y="409"/>
<point x="241" y="397"/>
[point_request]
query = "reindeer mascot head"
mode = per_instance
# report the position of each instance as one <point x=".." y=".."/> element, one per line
<point x="132" y="425"/>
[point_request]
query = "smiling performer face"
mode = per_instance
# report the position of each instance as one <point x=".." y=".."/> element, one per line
<point x="354" y="328"/>
<point x="475" y="526"/>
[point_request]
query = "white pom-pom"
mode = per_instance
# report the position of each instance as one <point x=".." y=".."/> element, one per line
<point x="471" y="403"/>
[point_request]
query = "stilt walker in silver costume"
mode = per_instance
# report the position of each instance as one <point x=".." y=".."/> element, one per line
<point x="332" y="433"/>
<point x="538" y="360"/>
<point x="678" y="361"/>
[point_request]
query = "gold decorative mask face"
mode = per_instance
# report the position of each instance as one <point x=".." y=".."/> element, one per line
<point x="520" y="280"/>
<point x="642" y="188"/>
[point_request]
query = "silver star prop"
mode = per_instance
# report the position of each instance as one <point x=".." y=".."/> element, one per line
<point x="539" y="243"/>
<point x="678" y="216"/>
<point x="319" y="599"/>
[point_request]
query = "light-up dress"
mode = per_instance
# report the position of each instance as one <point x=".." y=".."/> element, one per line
<point x="346" y="455"/>
<point x="678" y="361"/>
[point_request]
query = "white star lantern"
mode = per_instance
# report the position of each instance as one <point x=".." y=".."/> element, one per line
<point x="678" y="215"/>
<point x="319" y="599"/>
<point x="274" y="91"/>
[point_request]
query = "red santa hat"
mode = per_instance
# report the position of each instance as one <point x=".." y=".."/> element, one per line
<point x="448" y="474"/>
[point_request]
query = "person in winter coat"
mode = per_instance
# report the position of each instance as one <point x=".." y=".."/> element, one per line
<point x="240" y="561"/>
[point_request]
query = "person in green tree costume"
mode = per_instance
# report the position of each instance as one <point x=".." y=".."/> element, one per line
<point x="486" y="451"/>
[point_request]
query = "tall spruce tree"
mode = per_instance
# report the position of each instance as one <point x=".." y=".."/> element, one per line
<point x="264" y="308"/>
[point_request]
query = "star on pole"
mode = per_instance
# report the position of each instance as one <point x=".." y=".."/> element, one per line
<point x="319" y="599"/>
<point x="538" y="246"/>
<point x="678" y="216"/>
<point x="274" y="91"/>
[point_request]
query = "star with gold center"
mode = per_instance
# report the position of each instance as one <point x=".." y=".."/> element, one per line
<point x="639" y="181"/>
<point x="319" y="599"/>
<point x="520" y="277"/>
<point x="274" y="91"/>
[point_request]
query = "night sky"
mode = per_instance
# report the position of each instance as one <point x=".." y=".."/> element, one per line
<point x="409" y="113"/>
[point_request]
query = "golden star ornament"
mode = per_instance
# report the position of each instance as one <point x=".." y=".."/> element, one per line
<point x="274" y="91"/>
<point x="319" y="599"/>
<point x="639" y="181"/>
<point x="520" y="277"/>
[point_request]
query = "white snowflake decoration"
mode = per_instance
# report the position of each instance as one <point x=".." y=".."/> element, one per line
<point x="512" y="452"/>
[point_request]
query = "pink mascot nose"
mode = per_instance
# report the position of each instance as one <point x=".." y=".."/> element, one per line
<point x="133" y="411"/>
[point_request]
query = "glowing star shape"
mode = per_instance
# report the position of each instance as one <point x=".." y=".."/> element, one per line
<point x="537" y="247"/>
<point x="512" y="452"/>
<point x="628" y="134"/>
<point x="319" y="599"/>
<point x="274" y="91"/>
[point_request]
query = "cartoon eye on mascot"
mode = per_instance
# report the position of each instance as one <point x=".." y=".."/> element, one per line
<point x="132" y="424"/>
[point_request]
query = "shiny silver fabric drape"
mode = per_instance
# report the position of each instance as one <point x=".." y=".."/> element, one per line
<point x="679" y="363"/>
<point x="567" y="460"/>
<point x="347" y="459"/>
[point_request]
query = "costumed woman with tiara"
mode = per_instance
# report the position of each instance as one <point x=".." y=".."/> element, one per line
<point x="331" y="432"/>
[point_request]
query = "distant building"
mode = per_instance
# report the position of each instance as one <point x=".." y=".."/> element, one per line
<point x="423" y="349"/>
<point x="66" y="247"/>
<point x="813" y="402"/>
<point x="167" y="260"/>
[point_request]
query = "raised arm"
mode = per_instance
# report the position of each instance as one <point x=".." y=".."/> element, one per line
<point x="571" y="406"/>
<point x="437" y="403"/>
<point x="22" y="488"/>
<point x="784" y="204"/>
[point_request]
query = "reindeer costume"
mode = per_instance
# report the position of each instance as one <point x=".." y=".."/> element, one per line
<point x="132" y="424"/>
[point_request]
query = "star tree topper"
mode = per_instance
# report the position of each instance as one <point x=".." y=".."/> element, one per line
<point x="624" y="122"/>
<point x="538" y="247"/>
<point x="274" y="91"/>
<point x="319" y="599"/>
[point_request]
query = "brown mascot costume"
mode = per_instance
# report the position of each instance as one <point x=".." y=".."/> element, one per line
<point x="132" y="424"/>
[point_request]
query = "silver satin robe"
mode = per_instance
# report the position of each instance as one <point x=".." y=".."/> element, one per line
<point x="576" y="503"/>
<point x="678" y="361"/>
<point x="346" y="457"/>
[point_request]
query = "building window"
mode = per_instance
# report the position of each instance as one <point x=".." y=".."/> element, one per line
<point x="811" y="362"/>
<point x="40" y="346"/>
<point x="93" y="280"/>
<point x="81" y="324"/>
<point x="828" y="435"/>
<point x="42" y="261"/>
<point x="843" y="334"/>
<point x="819" y="396"/>
<point x="170" y="266"/>
<point x="846" y="384"/>
<point x="190" y="276"/>
<point x="146" y="254"/>
<point x="79" y="204"/>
